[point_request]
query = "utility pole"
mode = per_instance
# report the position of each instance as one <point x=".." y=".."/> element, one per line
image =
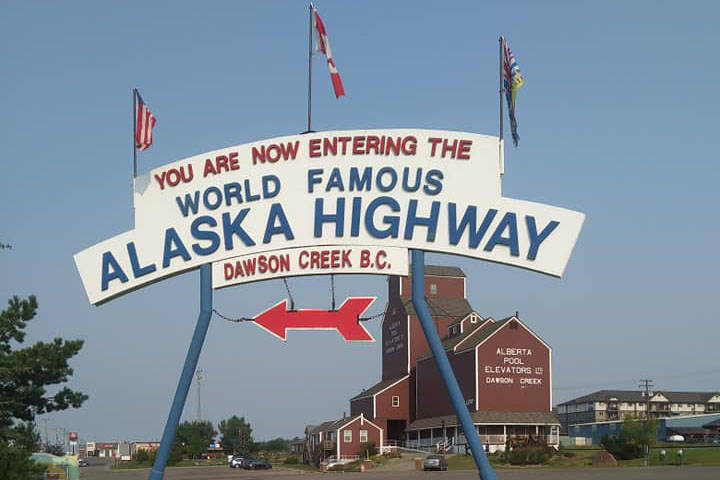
<point x="646" y="384"/>
<point x="199" y="376"/>
<point x="47" y="439"/>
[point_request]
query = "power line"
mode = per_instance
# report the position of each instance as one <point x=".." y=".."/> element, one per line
<point x="633" y="380"/>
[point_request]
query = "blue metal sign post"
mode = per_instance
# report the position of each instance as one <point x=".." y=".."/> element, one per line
<point x="461" y="411"/>
<point x="191" y="360"/>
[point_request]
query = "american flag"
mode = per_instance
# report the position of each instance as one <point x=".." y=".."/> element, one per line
<point x="144" y="124"/>
<point x="512" y="81"/>
<point x="323" y="45"/>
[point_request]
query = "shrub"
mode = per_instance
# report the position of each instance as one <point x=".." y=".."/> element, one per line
<point x="141" y="456"/>
<point x="633" y="436"/>
<point x="528" y="456"/>
<point x="291" y="460"/>
<point x="367" y="450"/>
<point x="176" y="454"/>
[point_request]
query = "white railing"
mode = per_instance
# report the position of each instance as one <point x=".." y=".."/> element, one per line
<point x="342" y="459"/>
<point x="444" y="445"/>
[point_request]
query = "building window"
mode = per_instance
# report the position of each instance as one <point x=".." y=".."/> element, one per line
<point x="433" y="289"/>
<point x="396" y="401"/>
<point x="363" y="436"/>
<point x="347" y="436"/>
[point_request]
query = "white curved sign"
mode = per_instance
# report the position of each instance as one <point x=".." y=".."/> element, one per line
<point x="401" y="188"/>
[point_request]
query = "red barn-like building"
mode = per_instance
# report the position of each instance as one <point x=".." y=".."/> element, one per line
<point x="503" y="368"/>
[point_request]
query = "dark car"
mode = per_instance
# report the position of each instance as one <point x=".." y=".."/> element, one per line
<point x="257" y="464"/>
<point x="435" y="462"/>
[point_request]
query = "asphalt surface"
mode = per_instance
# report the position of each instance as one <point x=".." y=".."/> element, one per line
<point x="225" y="473"/>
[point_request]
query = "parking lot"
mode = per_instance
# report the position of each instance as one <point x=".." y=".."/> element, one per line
<point x="224" y="473"/>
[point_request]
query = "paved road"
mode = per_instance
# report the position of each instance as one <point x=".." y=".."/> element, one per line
<point x="224" y="473"/>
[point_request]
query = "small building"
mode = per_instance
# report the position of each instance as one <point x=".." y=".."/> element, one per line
<point x="690" y="426"/>
<point x="147" y="446"/>
<point x="342" y="439"/>
<point x="107" y="449"/>
<point x="609" y="405"/>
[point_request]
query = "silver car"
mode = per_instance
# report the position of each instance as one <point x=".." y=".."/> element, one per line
<point x="435" y="462"/>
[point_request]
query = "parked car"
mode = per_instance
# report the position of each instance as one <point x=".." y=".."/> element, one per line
<point x="258" y="464"/>
<point x="236" y="461"/>
<point x="82" y="462"/>
<point x="675" y="438"/>
<point x="435" y="462"/>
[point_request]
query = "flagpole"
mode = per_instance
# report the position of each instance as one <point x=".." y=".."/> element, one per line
<point x="501" y="90"/>
<point x="133" y="132"/>
<point x="309" y="95"/>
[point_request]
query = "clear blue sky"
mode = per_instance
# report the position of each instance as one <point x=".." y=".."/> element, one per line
<point x="618" y="119"/>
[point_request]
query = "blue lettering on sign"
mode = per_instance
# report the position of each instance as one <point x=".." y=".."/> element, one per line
<point x="508" y="222"/>
<point x="174" y="247"/>
<point x="338" y="217"/>
<point x="277" y="214"/>
<point x="469" y="220"/>
<point x="433" y="179"/>
<point x="430" y="222"/>
<point x="138" y="271"/>
<point x="313" y="179"/>
<point x="393" y="222"/>
<point x="535" y="238"/>
<point x="190" y="204"/>
<point x="269" y="181"/>
<point x="232" y="227"/>
<point x="111" y="270"/>
<point x="359" y="183"/>
<point x="335" y="181"/>
<point x="209" y="235"/>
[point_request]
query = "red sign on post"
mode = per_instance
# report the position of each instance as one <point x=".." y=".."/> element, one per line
<point x="277" y="320"/>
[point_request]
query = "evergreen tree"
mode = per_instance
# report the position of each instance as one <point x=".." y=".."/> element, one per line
<point x="25" y="374"/>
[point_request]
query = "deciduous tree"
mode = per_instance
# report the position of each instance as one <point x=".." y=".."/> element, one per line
<point x="236" y="435"/>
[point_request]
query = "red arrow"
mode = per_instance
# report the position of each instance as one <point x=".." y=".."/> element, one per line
<point x="277" y="320"/>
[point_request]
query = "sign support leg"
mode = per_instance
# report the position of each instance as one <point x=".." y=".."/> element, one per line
<point x="485" y="471"/>
<point x="191" y="360"/>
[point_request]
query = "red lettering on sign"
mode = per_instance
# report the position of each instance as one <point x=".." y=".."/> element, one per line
<point x="275" y="152"/>
<point x="464" y="150"/>
<point x="434" y="142"/>
<point x="174" y="176"/>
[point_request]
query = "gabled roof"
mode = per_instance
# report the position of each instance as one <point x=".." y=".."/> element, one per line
<point x="339" y="423"/>
<point x="443" y="271"/>
<point x="451" y="342"/>
<point x="378" y="387"/>
<point x="487" y="417"/>
<point x="688" y="397"/>
<point x="486" y="331"/>
<point x="605" y="395"/>
<point x="330" y="425"/>
<point x="638" y="396"/>
<point x="441" y="307"/>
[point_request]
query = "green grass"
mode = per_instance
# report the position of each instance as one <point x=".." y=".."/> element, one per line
<point x="691" y="456"/>
<point x="583" y="458"/>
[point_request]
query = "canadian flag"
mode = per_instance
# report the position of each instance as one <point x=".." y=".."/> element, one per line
<point x="323" y="45"/>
